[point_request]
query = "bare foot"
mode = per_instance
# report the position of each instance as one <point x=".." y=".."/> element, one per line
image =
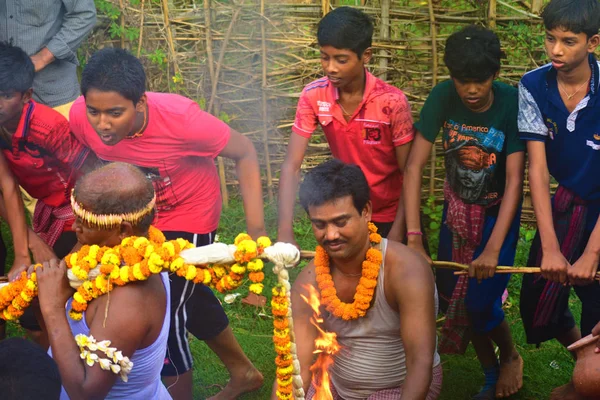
<point x="237" y="386"/>
<point x="565" y="392"/>
<point x="510" y="379"/>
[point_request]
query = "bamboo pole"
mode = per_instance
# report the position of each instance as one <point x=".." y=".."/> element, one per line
<point x="536" y="6"/>
<point x="264" y="102"/>
<point x="167" y="21"/>
<point x="122" y="18"/>
<point x="211" y="70"/>
<point x="434" y="66"/>
<point x="139" y="49"/>
<point x="492" y="14"/>
<point x="384" y="33"/>
<point x="324" y="7"/>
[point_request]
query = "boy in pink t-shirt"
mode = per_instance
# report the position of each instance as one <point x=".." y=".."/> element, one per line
<point x="175" y="143"/>
<point x="366" y="122"/>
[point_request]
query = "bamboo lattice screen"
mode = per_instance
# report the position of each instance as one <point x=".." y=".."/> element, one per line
<point x="247" y="61"/>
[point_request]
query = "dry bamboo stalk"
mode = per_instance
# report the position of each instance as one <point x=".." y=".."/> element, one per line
<point x="211" y="69"/>
<point x="122" y="17"/>
<point x="324" y="7"/>
<point x="165" y="6"/>
<point x="536" y="6"/>
<point x="384" y="33"/>
<point x="139" y="49"/>
<point x="434" y="66"/>
<point x="492" y="14"/>
<point x="264" y="102"/>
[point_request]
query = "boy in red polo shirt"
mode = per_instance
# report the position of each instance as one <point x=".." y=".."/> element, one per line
<point x="45" y="158"/>
<point x="366" y="122"/>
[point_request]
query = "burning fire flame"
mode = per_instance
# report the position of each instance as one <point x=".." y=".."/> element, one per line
<point x="326" y="346"/>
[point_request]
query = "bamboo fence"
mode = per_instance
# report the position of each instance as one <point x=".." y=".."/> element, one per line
<point x="246" y="61"/>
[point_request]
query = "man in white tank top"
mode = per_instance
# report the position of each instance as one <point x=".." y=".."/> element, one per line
<point x="383" y="305"/>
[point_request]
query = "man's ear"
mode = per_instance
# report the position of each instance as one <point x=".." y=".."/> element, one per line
<point x="141" y="104"/>
<point x="27" y="95"/>
<point x="367" y="211"/>
<point x="593" y="43"/>
<point x="367" y="55"/>
<point x="126" y="230"/>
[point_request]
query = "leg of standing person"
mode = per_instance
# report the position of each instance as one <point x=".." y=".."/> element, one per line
<point x="3" y="263"/>
<point x="196" y="309"/>
<point x="503" y="376"/>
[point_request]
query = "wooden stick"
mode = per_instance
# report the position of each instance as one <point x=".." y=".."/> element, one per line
<point x="265" y="133"/>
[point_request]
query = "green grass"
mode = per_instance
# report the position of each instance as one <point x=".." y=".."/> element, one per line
<point x="545" y="368"/>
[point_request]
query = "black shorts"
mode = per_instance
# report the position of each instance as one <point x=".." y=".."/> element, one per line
<point x="194" y="308"/>
<point x="561" y="320"/>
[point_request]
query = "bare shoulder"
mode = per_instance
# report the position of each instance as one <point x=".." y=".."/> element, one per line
<point x="404" y="266"/>
<point x="306" y="277"/>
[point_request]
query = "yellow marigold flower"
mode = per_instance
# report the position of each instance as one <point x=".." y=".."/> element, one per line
<point x="238" y="269"/>
<point x="283" y="371"/>
<point x="31" y="285"/>
<point x="139" y="242"/>
<point x="247" y="246"/>
<point x="124" y="273"/>
<point x="176" y="264"/>
<point x="93" y="251"/>
<point x="207" y="277"/>
<point x="256" y="288"/>
<point x="284" y="382"/>
<point x="241" y="237"/>
<point x="90" y="260"/>
<point x="284" y="396"/>
<point x="115" y="272"/>
<point x="75" y="316"/>
<point x="78" y="298"/>
<point x="154" y="268"/>
<point x="110" y="258"/>
<point x="263" y="242"/>
<point x="190" y="273"/>
<point x="278" y="291"/>
<point x="219" y="270"/>
<point x="255" y="265"/>
<point x="149" y="250"/>
<point x="137" y="272"/>
<point x="169" y="247"/>
<point x="79" y="272"/>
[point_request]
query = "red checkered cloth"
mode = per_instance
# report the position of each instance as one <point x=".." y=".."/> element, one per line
<point x="394" y="393"/>
<point x="50" y="222"/>
<point x="465" y="221"/>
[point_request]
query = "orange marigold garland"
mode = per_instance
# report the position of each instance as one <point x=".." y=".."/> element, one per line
<point x="283" y="342"/>
<point x="246" y="259"/>
<point x="366" y="286"/>
<point x="17" y="296"/>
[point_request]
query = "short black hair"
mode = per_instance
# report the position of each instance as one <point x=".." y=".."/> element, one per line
<point x="16" y="69"/>
<point x="27" y="371"/>
<point x="114" y="70"/>
<point x="573" y="15"/>
<point x="346" y="28"/>
<point x="117" y="188"/>
<point x="333" y="180"/>
<point x="473" y="53"/>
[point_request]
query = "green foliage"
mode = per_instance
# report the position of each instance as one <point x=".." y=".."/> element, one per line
<point x="158" y="58"/>
<point x="433" y="221"/>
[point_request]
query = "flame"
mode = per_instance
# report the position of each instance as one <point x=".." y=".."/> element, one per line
<point x="326" y="346"/>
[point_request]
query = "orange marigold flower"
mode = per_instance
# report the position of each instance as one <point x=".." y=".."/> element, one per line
<point x="256" y="277"/>
<point x="281" y="323"/>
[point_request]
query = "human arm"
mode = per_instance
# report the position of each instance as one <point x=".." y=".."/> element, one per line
<point x="398" y="229"/>
<point x="413" y="289"/>
<point x="304" y="331"/>
<point x="485" y="265"/>
<point x="124" y="326"/>
<point x="554" y="265"/>
<point x="16" y="218"/>
<point x="411" y="191"/>
<point x="583" y="271"/>
<point x="240" y="149"/>
<point x="78" y="20"/>
<point x="288" y="186"/>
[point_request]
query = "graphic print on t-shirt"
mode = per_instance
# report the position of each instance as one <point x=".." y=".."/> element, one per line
<point x="471" y="158"/>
